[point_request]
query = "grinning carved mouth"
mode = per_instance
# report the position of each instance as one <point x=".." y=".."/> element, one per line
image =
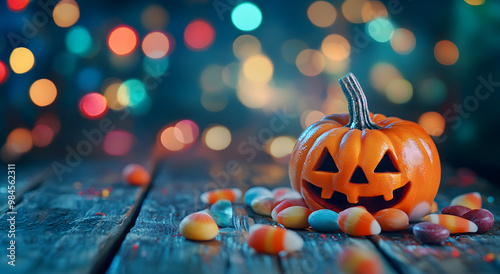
<point x="338" y="201"/>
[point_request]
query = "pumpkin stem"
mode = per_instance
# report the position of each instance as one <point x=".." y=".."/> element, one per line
<point x="359" y="116"/>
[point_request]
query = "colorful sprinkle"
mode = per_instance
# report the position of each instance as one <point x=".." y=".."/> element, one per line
<point x="198" y="226"/>
<point x="482" y="218"/>
<point x="324" y="220"/>
<point x="222" y="212"/>
<point x="355" y="260"/>
<point x="231" y="194"/>
<point x="471" y="200"/>
<point x="455" y="253"/>
<point x="392" y="219"/>
<point x="430" y="233"/>
<point x="294" y="217"/>
<point x="263" y="205"/>
<point x="135" y="174"/>
<point x="273" y="240"/>
<point x="100" y="213"/>
<point x="453" y="223"/>
<point x="255" y="191"/>
<point x="456" y="210"/>
<point x="356" y="221"/>
<point x="286" y="203"/>
<point x="105" y="193"/>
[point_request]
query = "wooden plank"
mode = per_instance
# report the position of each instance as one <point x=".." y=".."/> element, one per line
<point x="68" y="226"/>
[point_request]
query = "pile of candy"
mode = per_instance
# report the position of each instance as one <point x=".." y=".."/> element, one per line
<point x="287" y="207"/>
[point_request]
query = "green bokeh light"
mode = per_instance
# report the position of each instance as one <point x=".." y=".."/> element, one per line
<point x="380" y="29"/>
<point x="78" y="41"/>
<point x="246" y="16"/>
<point x="134" y="90"/>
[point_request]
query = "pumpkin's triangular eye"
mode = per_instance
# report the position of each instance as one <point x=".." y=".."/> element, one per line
<point x="326" y="162"/>
<point x="386" y="164"/>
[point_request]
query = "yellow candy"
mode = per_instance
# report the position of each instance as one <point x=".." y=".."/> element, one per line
<point x="231" y="194"/>
<point x="273" y="240"/>
<point x="356" y="221"/>
<point x="392" y="219"/>
<point x="198" y="226"/>
<point x="453" y="223"/>
<point x="471" y="200"/>
<point x="294" y="217"/>
<point x="434" y="207"/>
<point x="263" y="205"/>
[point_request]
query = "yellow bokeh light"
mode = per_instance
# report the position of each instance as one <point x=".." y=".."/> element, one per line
<point x="217" y="137"/>
<point x="254" y="96"/>
<point x="310" y="117"/>
<point x="402" y="41"/>
<point x="432" y="122"/>
<point x="335" y="47"/>
<point x="372" y="10"/>
<point x="66" y="13"/>
<point x="19" y="141"/>
<point x="310" y="62"/>
<point x="245" y="46"/>
<point x="281" y="146"/>
<point x="21" y="60"/>
<point x="382" y="74"/>
<point x="474" y="2"/>
<point x="351" y="9"/>
<point x="112" y="96"/>
<point x="446" y="52"/>
<point x="399" y="91"/>
<point x="336" y="67"/>
<point x="211" y="79"/>
<point x="258" y="69"/>
<point x="43" y="92"/>
<point x="322" y="14"/>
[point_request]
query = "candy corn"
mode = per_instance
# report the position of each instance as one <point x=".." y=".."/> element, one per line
<point x="286" y="203"/>
<point x="360" y="260"/>
<point x="255" y="192"/>
<point x="290" y="195"/>
<point x="434" y="207"/>
<point x="231" y="194"/>
<point x="272" y="240"/>
<point x="198" y="226"/>
<point x="453" y="223"/>
<point x="294" y="217"/>
<point x="280" y="191"/>
<point x="263" y="205"/>
<point x="471" y="200"/>
<point x="135" y="174"/>
<point x="392" y="219"/>
<point x="356" y="221"/>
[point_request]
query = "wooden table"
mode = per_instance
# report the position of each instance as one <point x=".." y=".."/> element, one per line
<point x="93" y="222"/>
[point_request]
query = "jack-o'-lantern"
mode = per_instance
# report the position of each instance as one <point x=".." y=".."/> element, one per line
<point x="361" y="159"/>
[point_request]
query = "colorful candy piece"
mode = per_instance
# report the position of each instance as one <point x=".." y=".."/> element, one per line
<point x="471" y="200"/>
<point x="482" y="218"/>
<point x="198" y="226"/>
<point x="357" y="260"/>
<point x="263" y="205"/>
<point x="286" y="203"/>
<point x="392" y="219"/>
<point x="290" y="195"/>
<point x="222" y="212"/>
<point x="456" y="210"/>
<point x="273" y="240"/>
<point x="294" y="217"/>
<point x="356" y="221"/>
<point x="430" y="233"/>
<point x="434" y="207"/>
<point x="231" y="194"/>
<point x="324" y="220"/>
<point x="135" y="174"/>
<point x="279" y="192"/>
<point x="453" y="223"/>
<point x="255" y="191"/>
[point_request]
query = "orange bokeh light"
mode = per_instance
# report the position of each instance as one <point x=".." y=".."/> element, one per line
<point x="20" y="140"/>
<point x="169" y="140"/>
<point x="199" y="35"/>
<point x="432" y="122"/>
<point x="43" y="92"/>
<point x="122" y="40"/>
<point x="17" y="5"/>
<point x="446" y="52"/>
<point x="93" y="105"/>
<point x="155" y="45"/>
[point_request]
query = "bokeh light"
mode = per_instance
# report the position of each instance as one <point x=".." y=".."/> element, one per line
<point x="199" y="35"/>
<point x="17" y="5"/>
<point x="382" y="74"/>
<point x="254" y="96"/>
<point x="310" y="117"/>
<point x="118" y="142"/>
<point x="336" y="47"/>
<point x="380" y="29"/>
<point x="246" y="16"/>
<point x="43" y="92"/>
<point x="186" y="131"/>
<point x="111" y="95"/>
<point x="66" y="13"/>
<point x="78" y="41"/>
<point x="258" y="69"/>
<point x="399" y="91"/>
<point x="217" y="137"/>
<point x="372" y="10"/>
<point x="155" y="67"/>
<point x="131" y="93"/>
<point x="89" y="78"/>
<point x="93" y="105"/>
<point x="214" y="101"/>
<point x="4" y="73"/>
<point x="322" y="14"/>
<point x="281" y="146"/>
<point x="154" y="17"/>
<point x="230" y="75"/>
<point x="42" y="135"/>
<point x="169" y="140"/>
<point x="432" y="122"/>
<point x="245" y="46"/>
<point x="402" y="41"/>
<point x="351" y="9"/>
<point x="291" y="48"/>
<point x="211" y="78"/>
<point x="336" y="67"/>
<point x="21" y="60"/>
<point x="122" y="40"/>
<point x="20" y="140"/>
<point x="50" y="120"/>
<point x="474" y="2"/>
<point x="155" y="45"/>
<point x="310" y="62"/>
<point x="432" y="92"/>
<point x="446" y="52"/>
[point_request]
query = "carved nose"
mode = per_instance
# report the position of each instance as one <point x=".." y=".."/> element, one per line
<point x="359" y="176"/>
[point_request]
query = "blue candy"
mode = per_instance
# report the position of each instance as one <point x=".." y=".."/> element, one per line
<point x="324" y="220"/>
<point x="254" y="192"/>
<point x="222" y="213"/>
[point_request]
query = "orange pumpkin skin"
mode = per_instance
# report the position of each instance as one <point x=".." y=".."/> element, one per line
<point x="357" y="145"/>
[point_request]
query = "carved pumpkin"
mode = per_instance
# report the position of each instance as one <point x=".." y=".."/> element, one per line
<point x="361" y="159"/>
